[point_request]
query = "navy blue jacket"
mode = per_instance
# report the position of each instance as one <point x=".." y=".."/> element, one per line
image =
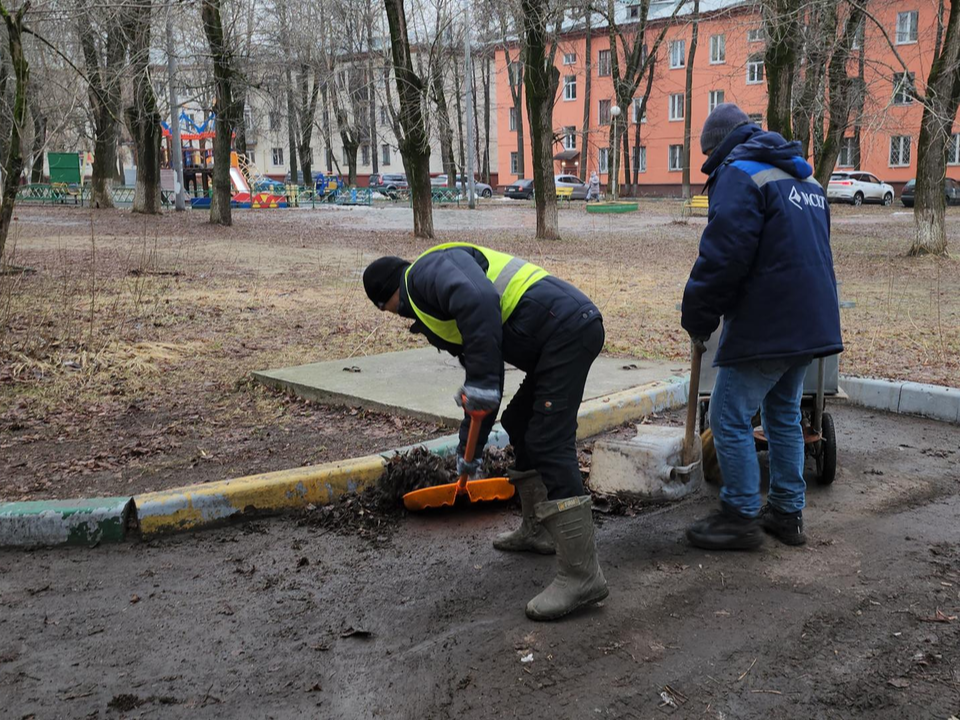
<point x="765" y="264"/>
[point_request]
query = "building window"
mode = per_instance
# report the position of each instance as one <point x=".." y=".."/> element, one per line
<point x="755" y="35"/>
<point x="676" y="158"/>
<point x="514" y="119"/>
<point x="570" y="138"/>
<point x="384" y="115"/>
<point x="384" y="154"/>
<point x="676" y="106"/>
<point x="899" y="151"/>
<point x="603" y="160"/>
<point x="570" y="87"/>
<point x="273" y="119"/>
<point x="603" y="63"/>
<point x="716" y="98"/>
<point x="847" y="151"/>
<point x="637" y="102"/>
<point x="906" y="27"/>
<point x="718" y="49"/>
<point x="904" y="88"/>
<point x="569" y="58"/>
<point x="640" y="158"/>
<point x="857" y="37"/>
<point x="514" y="163"/>
<point x="604" y="112"/>
<point x="755" y="70"/>
<point x="634" y="12"/>
<point x="515" y="73"/>
<point x="953" y="150"/>
<point x="346" y="157"/>
<point x="756" y="118"/>
<point x="364" y="154"/>
<point x="277" y="157"/>
<point x="678" y="54"/>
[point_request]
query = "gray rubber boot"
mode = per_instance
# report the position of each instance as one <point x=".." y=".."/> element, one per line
<point x="579" y="580"/>
<point x="531" y="536"/>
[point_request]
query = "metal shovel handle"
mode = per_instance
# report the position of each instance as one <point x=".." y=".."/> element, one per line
<point x="473" y="436"/>
<point x="693" y="403"/>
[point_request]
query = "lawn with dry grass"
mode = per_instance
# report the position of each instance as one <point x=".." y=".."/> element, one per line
<point x="125" y="358"/>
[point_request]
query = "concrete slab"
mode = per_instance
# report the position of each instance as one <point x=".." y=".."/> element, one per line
<point x="421" y="383"/>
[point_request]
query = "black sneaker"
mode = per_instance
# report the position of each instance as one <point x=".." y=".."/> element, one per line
<point x="785" y="527"/>
<point x="726" y="530"/>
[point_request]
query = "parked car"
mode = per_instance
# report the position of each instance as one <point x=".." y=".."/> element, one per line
<point x="388" y="184"/>
<point x="480" y="188"/>
<point x="572" y="181"/>
<point x="520" y="190"/>
<point x="951" y="188"/>
<point x="857" y="188"/>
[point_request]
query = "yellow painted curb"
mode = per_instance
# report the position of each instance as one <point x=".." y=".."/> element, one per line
<point x="605" y="413"/>
<point x="196" y="505"/>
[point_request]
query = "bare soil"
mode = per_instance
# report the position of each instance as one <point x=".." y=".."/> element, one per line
<point x="125" y="359"/>
<point x="273" y="619"/>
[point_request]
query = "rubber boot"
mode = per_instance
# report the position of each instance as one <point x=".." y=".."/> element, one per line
<point x="531" y="536"/>
<point x="579" y="580"/>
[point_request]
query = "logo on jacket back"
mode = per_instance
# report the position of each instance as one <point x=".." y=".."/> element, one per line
<point x="808" y="199"/>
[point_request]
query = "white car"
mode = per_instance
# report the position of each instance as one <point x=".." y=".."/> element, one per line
<point x="858" y="188"/>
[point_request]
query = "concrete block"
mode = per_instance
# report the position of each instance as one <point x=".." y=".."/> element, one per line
<point x="877" y="394"/>
<point x="647" y="466"/>
<point x="932" y="401"/>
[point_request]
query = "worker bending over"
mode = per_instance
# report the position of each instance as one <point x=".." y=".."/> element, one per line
<point x="486" y="308"/>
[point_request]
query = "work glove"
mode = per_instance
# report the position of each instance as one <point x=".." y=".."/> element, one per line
<point x="470" y="469"/>
<point x="478" y="399"/>
<point x="699" y="342"/>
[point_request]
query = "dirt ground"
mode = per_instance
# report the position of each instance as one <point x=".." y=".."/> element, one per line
<point x="125" y="359"/>
<point x="273" y="619"/>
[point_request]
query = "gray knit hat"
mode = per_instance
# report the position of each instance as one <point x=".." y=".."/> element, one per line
<point x="725" y="118"/>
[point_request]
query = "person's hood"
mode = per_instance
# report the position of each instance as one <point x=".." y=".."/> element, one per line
<point x="750" y="142"/>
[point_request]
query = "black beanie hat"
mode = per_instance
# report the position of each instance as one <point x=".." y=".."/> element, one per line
<point x="382" y="277"/>
<point x="725" y="118"/>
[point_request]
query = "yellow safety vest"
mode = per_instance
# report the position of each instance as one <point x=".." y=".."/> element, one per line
<point x="510" y="275"/>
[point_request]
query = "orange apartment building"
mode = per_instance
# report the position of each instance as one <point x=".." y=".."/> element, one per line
<point x="728" y="68"/>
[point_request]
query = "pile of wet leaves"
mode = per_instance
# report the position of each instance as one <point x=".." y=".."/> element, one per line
<point x="373" y="513"/>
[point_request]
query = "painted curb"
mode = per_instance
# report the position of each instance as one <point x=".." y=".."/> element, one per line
<point x="64" y="522"/>
<point x="195" y="506"/>
<point x="936" y="402"/>
<point x="612" y="207"/>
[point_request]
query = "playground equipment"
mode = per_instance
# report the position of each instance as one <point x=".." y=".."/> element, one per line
<point x="242" y="196"/>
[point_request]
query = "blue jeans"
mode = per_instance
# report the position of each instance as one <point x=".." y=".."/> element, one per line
<point x="774" y="386"/>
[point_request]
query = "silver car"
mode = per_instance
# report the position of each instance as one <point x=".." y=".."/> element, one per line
<point x="481" y="189"/>
<point x="572" y="181"/>
<point x="858" y="188"/>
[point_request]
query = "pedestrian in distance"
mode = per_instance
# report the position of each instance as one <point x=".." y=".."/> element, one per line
<point x="486" y="308"/>
<point x="593" y="188"/>
<point x="765" y="266"/>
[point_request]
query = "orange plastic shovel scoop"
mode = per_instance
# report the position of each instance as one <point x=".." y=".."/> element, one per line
<point x="477" y="490"/>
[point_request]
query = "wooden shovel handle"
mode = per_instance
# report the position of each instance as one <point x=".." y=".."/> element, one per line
<point x="693" y="404"/>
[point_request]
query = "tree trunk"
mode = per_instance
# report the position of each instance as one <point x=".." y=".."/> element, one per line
<point x="414" y="143"/>
<point x="485" y="74"/>
<point x="223" y="77"/>
<point x="541" y="79"/>
<point x="309" y="97"/>
<point x="240" y="122"/>
<point x="291" y="127"/>
<point x="143" y="116"/>
<point x="587" y="86"/>
<point x="443" y="121"/>
<point x="39" y="140"/>
<point x="13" y="163"/>
<point x="516" y="94"/>
<point x="781" y="18"/>
<point x="643" y="108"/>
<point x="688" y="98"/>
<point x="942" y="98"/>
<point x="458" y="88"/>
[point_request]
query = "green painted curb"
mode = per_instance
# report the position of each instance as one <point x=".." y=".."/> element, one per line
<point x="613" y="207"/>
<point x="64" y="522"/>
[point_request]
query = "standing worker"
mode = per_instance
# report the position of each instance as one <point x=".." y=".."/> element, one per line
<point x="486" y="308"/>
<point x="593" y="188"/>
<point x="766" y="267"/>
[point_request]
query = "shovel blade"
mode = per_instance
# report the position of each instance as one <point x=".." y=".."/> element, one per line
<point x="490" y="489"/>
<point x="437" y="496"/>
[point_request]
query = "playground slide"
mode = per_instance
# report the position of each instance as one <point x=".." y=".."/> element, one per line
<point x="240" y="188"/>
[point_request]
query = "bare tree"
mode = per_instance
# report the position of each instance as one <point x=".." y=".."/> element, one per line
<point x="781" y="19"/>
<point x="103" y="55"/>
<point x="143" y="117"/>
<point x="224" y="78"/>
<point x="13" y="165"/>
<point x="688" y="97"/>
<point x="412" y="136"/>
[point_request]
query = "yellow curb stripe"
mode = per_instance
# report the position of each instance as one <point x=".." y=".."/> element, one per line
<point x="605" y="413"/>
<point x="197" y="505"/>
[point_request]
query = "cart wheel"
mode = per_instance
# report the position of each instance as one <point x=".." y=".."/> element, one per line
<point x="827" y="455"/>
<point x="708" y="455"/>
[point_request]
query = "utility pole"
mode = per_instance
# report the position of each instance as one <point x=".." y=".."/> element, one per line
<point x="176" y="150"/>
<point x="468" y="88"/>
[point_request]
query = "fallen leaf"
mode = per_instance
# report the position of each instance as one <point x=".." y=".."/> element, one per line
<point x="939" y="617"/>
<point x="134" y="599"/>
<point x="899" y="682"/>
